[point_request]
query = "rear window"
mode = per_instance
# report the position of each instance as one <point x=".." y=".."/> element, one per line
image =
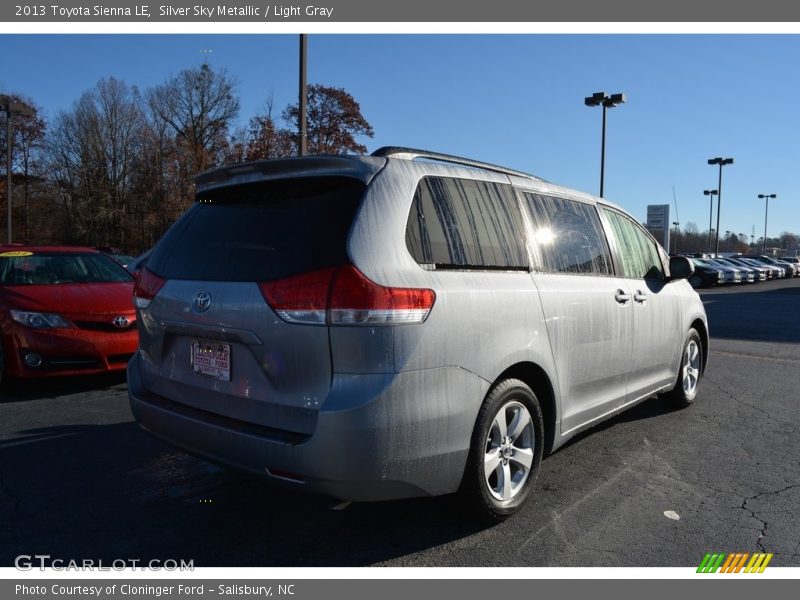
<point x="261" y="231"/>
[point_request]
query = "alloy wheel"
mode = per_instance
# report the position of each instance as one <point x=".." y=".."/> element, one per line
<point x="691" y="368"/>
<point x="509" y="451"/>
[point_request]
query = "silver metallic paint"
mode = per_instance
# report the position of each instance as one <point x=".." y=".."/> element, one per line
<point x="389" y="411"/>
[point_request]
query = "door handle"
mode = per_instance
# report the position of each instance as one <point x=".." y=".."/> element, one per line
<point x="640" y="297"/>
<point x="622" y="297"/>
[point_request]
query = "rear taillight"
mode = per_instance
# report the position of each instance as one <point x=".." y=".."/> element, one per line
<point x="343" y="296"/>
<point x="146" y="288"/>
<point x="301" y="298"/>
<point x="355" y="300"/>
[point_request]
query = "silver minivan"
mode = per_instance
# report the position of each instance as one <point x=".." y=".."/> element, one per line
<point x="404" y="324"/>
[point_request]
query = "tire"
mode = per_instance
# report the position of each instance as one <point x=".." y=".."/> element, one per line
<point x="689" y="374"/>
<point x="2" y="362"/>
<point x="509" y="438"/>
<point x="696" y="281"/>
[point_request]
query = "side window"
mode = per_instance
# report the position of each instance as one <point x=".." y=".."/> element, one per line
<point x="568" y="236"/>
<point x="465" y="224"/>
<point x="638" y="251"/>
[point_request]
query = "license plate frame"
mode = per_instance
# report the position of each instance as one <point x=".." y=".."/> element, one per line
<point x="211" y="359"/>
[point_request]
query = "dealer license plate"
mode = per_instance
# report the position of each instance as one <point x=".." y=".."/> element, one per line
<point x="212" y="359"/>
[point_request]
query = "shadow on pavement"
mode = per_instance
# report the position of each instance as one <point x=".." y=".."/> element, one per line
<point x="23" y="390"/>
<point x="113" y="492"/>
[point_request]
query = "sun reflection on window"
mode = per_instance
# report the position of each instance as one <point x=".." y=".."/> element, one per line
<point x="544" y="236"/>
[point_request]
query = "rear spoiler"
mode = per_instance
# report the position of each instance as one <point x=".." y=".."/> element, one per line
<point x="362" y="168"/>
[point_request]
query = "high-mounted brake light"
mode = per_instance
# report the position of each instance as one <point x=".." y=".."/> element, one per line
<point x="344" y="296"/>
<point x="147" y="286"/>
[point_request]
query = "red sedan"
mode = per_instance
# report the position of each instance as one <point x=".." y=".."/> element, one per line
<point x="64" y="311"/>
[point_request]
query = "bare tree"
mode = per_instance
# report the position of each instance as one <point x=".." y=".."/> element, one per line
<point x="92" y="151"/>
<point x="787" y="239"/>
<point x="265" y="139"/>
<point x="199" y="106"/>
<point x="120" y="168"/>
<point x="334" y="121"/>
<point x="28" y="142"/>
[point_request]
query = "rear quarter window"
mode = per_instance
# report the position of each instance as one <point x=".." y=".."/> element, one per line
<point x="261" y="231"/>
<point x="465" y="224"/>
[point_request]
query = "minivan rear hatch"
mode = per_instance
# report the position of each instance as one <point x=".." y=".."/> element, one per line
<point x="209" y="338"/>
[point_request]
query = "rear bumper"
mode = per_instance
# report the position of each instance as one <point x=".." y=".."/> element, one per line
<point x="406" y="435"/>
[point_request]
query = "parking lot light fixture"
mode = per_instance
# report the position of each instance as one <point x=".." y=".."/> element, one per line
<point x="766" y="213"/>
<point x="606" y="101"/>
<point x="710" y="194"/>
<point x="721" y="162"/>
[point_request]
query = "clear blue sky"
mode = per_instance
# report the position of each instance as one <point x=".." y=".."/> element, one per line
<point x="515" y="100"/>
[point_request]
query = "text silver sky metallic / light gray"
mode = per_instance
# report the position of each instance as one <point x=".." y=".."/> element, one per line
<point x="404" y="324"/>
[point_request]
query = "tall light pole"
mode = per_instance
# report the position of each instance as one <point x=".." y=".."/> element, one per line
<point x="721" y="162"/>
<point x="303" y="117"/>
<point x="11" y="107"/>
<point x="675" y="223"/>
<point x="710" y="194"/>
<point x="766" y="213"/>
<point x="606" y="101"/>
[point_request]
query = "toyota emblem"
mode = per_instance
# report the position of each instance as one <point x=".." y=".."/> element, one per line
<point x="121" y="321"/>
<point x="202" y="300"/>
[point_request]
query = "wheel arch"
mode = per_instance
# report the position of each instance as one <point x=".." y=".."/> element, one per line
<point x="537" y="379"/>
<point x="702" y="330"/>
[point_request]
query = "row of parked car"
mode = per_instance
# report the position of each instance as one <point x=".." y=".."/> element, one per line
<point x="740" y="268"/>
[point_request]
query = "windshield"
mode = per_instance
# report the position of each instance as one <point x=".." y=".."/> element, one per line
<point x="707" y="262"/>
<point x="123" y="259"/>
<point x="42" y="268"/>
<point x="735" y="263"/>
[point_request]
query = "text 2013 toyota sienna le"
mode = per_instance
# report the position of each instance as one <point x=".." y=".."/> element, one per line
<point x="404" y="324"/>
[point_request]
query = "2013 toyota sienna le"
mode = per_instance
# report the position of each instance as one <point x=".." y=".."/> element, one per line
<point x="404" y="324"/>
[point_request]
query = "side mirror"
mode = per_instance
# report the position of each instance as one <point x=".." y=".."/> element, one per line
<point x="680" y="267"/>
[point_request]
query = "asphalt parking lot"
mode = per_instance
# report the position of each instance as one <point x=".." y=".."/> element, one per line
<point x="79" y="479"/>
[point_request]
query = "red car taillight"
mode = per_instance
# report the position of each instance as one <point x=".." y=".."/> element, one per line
<point x="300" y="298"/>
<point x="343" y="296"/>
<point x="146" y="288"/>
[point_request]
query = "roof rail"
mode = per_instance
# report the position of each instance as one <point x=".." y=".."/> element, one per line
<point x="411" y="153"/>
